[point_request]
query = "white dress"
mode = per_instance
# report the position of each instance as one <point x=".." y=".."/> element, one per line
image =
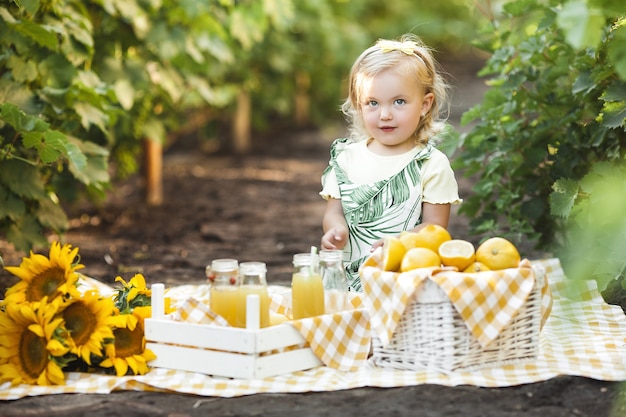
<point x="383" y="195"/>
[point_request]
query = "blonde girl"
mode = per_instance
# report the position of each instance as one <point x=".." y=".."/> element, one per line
<point x="387" y="176"/>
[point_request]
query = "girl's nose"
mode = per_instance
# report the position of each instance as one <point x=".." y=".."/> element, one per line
<point x="385" y="113"/>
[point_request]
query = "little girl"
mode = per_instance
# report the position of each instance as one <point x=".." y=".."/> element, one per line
<point x="387" y="177"/>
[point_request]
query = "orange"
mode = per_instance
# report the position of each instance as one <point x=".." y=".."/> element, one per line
<point x="476" y="267"/>
<point x="419" y="258"/>
<point x="457" y="252"/>
<point x="498" y="253"/>
<point x="393" y="252"/>
<point x="430" y="236"/>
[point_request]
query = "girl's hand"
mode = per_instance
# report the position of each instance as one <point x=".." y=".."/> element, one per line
<point x="335" y="238"/>
<point x="377" y="245"/>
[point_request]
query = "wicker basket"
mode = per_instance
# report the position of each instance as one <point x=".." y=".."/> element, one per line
<point x="431" y="335"/>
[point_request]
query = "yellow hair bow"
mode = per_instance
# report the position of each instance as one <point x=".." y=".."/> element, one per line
<point x="406" y="47"/>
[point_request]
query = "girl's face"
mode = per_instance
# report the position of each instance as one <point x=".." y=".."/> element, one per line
<point x="392" y="106"/>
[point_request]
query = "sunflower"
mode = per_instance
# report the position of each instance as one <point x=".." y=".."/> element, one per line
<point x="33" y="343"/>
<point x="88" y="320"/>
<point x="132" y="294"/>
<point x="129" y="349"/>
<point x="43" y="276"/>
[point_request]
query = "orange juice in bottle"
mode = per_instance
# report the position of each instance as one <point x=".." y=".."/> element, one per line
<point x="252" y="281"/>
<point x="224" y="302"/>
<point x="307" y="289"/>
<point x="223" y="275"/>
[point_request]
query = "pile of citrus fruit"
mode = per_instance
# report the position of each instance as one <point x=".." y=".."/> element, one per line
<point x="432" y="246"/>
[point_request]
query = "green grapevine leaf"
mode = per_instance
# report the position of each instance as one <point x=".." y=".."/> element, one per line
<point x="22" y="179"/>
<point x="37" y="33"/>
<point x="25" y="233"/>
<point x="10" y="206"/>
<point x="583" y="26"/>
<point x="50" y="214"/>
<point x="565" y="192"/>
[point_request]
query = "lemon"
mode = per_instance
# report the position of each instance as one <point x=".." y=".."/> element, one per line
<point x="410" y="240"/>
<point x="430" y="236"/>
<point x="277" y="318"/>
<point x="393" y="252"/>
<point x="419" y="258"/>
<point x="458" y="253"/>
<point x="498" y="253"/>
<point x="476" y="267"/>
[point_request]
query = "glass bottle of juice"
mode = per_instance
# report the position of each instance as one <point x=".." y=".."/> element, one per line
<point x="252" y="281"/>
<point x="223" y="275"/>
<point x="334" y="280"/>
<point x="307" y="290"/>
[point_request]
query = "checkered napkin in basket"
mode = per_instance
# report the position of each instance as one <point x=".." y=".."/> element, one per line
<point x="386" y="295"/>
<point x="194" y="311"/>
<point x="487" y="301"/>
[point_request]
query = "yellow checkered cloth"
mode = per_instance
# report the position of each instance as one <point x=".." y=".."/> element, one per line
<point x="583" y="336"/>
<point x="198" y="312"/>
<point x="341" y="340"/>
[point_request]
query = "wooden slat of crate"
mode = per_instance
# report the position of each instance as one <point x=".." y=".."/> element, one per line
<point x="222" y="338"/>
<point x="232" y="365"/>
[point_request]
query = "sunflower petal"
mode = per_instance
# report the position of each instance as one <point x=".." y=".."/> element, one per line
<point x="37" y="329"/>
<point x="149" y="355"/>
<point x="120" y="279"/>
<point x="55" y="374"/>
<point x="132" y="293"/>
<point x="57" y="348"/>
<point x="132" y="362"/>
<point x="138" y="281"/>
<point x="121" y="366"/>
<point x="142" y="312"/>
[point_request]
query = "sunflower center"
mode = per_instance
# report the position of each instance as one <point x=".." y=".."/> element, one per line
<point x="33" y="354"/>
<point x="80" y="321"/>
<point x="128" y="342"/>
<point x="45" y="284"/>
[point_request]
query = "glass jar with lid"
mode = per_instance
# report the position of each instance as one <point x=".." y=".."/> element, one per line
<point x="334" y="280"/>
<point x="252" y="281"/>
<point x="307" y="289"/>
<point x="223" y="276"/>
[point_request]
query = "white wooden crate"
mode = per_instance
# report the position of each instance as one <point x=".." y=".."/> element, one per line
<point x="229" y="352"/>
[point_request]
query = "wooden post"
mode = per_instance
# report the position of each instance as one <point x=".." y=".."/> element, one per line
<point x="302" y="99"/>
<point x="242" y="123"/>
<point x="153" y="172"/>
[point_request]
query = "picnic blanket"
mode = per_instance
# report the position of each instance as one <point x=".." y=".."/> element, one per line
<point x="583" y="336"/>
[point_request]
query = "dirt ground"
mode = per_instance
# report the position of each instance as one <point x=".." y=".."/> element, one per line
<point x="264" y="206"/>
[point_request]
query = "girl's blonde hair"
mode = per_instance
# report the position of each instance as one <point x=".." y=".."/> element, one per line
<point x="414" y="58"/>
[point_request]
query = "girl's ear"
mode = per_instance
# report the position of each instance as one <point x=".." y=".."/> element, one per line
<point x="427" y="102"/>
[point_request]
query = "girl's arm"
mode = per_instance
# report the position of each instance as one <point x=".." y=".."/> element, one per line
<point x="334" y="226"/>
<point x="434" y="214"/>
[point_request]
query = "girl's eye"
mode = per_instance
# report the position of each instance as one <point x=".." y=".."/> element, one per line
<point x="400" y="101"/>
<point x="372" y="103"/>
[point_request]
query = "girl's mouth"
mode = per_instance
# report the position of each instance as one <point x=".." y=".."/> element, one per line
<point x="387" y="129"/>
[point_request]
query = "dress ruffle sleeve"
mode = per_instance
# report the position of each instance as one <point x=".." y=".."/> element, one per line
<point x="440" y="186"/>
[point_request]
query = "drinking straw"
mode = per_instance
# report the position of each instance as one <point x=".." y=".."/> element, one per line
<point x="313" y="259"/>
